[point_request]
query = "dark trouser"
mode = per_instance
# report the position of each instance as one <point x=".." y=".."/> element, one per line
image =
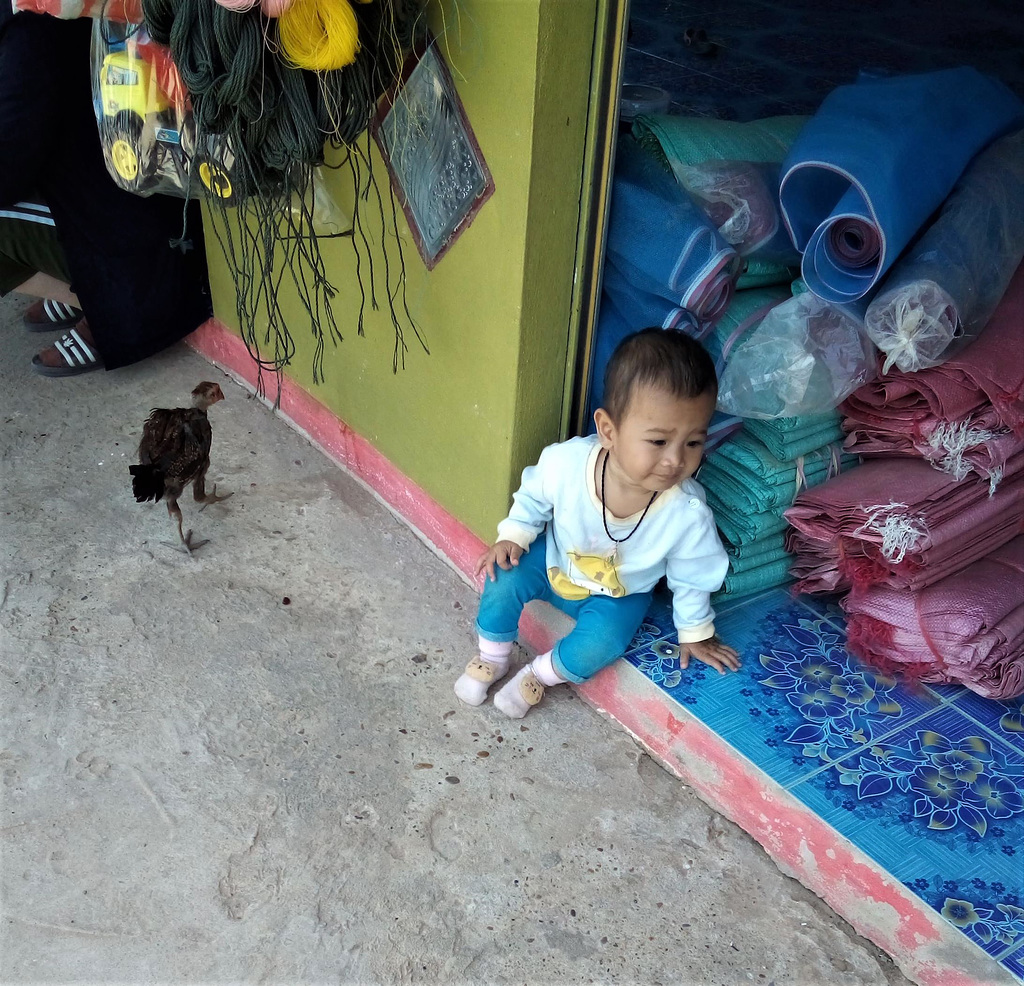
<point x="139" y="292"/>
<point x="28" y="248"/>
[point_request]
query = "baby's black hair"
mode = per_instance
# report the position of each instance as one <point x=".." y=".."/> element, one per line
<point x="668" y="359"/>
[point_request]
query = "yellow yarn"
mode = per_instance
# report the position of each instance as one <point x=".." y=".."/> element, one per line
<point x="319" y="35"/>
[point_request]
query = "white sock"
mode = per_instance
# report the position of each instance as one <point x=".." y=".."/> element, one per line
<point x="544" y="668"/>
<point x="483" y="671"/>
<point x="526" y="689"/>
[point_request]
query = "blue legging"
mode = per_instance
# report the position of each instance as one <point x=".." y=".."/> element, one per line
<point x="604" y="626"/>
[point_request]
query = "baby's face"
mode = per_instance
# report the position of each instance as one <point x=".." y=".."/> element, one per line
<point x="660" y="440"/>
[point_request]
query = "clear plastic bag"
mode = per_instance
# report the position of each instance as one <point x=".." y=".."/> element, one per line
<point x="805" y="357"/>
<point x="741" y="200"/>
<point x="317" y="211"/>
<point x="145" y="119"/>
<point x="939" y="298"/>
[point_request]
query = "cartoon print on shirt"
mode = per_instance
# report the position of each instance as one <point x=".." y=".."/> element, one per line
<point x="589" y="574"/>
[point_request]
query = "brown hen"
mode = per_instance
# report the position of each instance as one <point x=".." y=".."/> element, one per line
<point x="175" y="451"/>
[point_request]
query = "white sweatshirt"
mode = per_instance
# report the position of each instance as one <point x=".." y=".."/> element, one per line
<point x="677" y="538"/>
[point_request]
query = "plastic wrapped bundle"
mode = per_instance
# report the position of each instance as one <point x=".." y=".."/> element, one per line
<point x="805" y="357"/>
<point x="876" y="160"/>
<point x="968" y="628"/>
<point x="940" y="296"/>
<point x="698" y="142"/>
<point x="740" y="320"/>
<point x="741" y="200"/>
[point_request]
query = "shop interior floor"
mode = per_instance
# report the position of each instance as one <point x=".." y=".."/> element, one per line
<point x="775" y="57"/>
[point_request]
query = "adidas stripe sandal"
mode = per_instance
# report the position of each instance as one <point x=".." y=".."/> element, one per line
<point x="46" y="315"/>
<point x="78" y="356"/>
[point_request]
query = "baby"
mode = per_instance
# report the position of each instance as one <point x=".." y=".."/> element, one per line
<point x="599" y="520"/>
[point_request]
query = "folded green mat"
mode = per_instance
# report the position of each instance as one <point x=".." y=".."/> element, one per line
<point x="693" y="139"/>
<point x="740" y="528"/>
<point x="776" y="553"/>
<point x="793" y="439"/>
<point x="755" y="579"/>
<point x="687" y="140"/>
<point x="742" y="474"/>
<point x="761" y="274"/>
<point x="755" y="552"/>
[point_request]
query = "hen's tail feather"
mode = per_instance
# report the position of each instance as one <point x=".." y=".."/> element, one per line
<point x="147" y="483"/>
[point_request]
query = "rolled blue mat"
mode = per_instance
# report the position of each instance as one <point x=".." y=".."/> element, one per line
<point x="876" y="160"/>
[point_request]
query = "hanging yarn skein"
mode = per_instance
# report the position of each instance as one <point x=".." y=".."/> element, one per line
<point x="319" y="35"/>
<point x="239" y="6"/>
<point x="274" y="8"/>
<point x="266" y="95"/>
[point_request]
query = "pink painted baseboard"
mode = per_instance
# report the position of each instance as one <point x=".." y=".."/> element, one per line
<point x="453" y="540"/>
<point x="927" y="948"/>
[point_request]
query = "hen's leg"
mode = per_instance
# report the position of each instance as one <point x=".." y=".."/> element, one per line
<point x="187" y="545"/>
<point x="199" y="492"/>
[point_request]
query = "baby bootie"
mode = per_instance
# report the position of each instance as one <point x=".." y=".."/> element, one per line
<point x="489" y="666"/>
<point x="471" y="686"/>
<point x="522" y="693"/>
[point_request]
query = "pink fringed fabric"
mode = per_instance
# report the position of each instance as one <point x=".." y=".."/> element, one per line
<point x="967" y="628"/>
<point x="900" y="524"/>
<point x="964" y="416"/>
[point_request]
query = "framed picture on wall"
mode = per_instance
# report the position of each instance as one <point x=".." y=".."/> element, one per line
<point x="437" y="168"/>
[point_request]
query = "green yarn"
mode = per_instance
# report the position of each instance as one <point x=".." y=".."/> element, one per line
<point x="267" y="125"/>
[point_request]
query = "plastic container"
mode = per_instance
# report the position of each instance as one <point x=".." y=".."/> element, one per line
<point x="642" y="101"/>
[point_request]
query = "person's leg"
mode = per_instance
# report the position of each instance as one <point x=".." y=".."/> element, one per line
<point x="41" y="285"/>
<point x="32" y="263"/>
<point x="497" y="622"/>
<point x="604" y="629"/>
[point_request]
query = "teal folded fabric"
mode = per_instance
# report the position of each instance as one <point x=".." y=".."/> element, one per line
<point x="801" y="435"/>
<point x="754" y="552"/>
<point x="755" y="579"/>
<point x="746" y="563"/>
<point x="743" y="475"/>
<point x="738" y="527"/>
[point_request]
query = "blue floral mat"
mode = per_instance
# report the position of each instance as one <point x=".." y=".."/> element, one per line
<point x="926" y="780"/>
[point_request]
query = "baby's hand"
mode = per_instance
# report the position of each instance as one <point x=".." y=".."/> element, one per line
<point x="712" y="652"/>
<point x="505" y="553"/>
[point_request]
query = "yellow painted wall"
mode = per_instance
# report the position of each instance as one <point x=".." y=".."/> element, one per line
<point x="464" y="421"/>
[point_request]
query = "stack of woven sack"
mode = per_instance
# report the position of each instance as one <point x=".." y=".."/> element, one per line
<point x="925" y="537"/>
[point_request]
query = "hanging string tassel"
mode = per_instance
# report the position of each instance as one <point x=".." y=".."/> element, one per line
<point x="319" y="35"/>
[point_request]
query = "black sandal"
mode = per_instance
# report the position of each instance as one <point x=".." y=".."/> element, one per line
<point x="46" y="315"/>
<point x="79" y="357"/>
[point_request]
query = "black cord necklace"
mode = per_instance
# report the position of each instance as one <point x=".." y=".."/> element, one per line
<point x="604" y="509"/>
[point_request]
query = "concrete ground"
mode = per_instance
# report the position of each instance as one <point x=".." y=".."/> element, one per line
<point x="249" y="766"/>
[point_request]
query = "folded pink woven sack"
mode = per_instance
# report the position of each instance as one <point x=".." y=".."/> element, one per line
<point x="964" y="416"/>
<point x="968" y="628"/>
<point x="901" y="524"/>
